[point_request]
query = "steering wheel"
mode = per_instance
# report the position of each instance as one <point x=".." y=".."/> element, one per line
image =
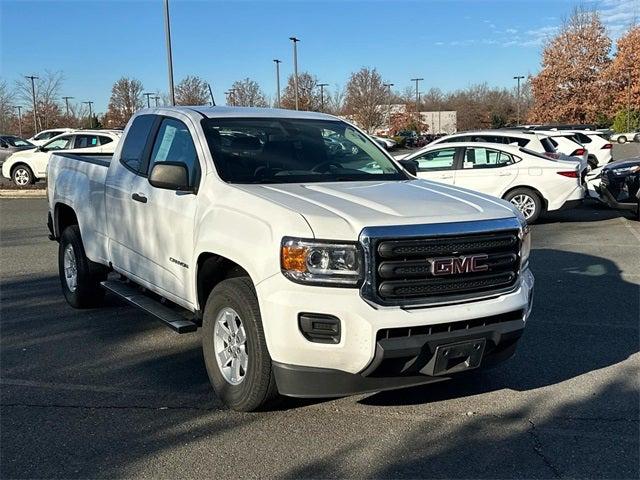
<point x="319" y="168"/>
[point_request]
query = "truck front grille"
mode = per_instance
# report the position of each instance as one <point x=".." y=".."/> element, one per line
<point x="405" y="272"/>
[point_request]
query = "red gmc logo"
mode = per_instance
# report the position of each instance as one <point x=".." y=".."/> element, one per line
<point x="457" y="265"/>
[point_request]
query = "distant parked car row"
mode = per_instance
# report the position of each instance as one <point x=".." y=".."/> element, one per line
<point x="26" y="162"/>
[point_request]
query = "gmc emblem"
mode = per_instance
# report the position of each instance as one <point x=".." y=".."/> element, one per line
<point x="457" y="265"/>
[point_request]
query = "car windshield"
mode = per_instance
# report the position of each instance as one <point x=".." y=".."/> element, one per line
<point x="17" y="142"/>
<point x="283" y="150"/>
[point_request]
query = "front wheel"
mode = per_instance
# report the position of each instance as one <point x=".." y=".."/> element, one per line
<point x="234" y="348"/>
<point x="22" y="176"/>
<point x="622" y="139"/>
<point x="79" y="277"/>
<point x="527" y="201"/>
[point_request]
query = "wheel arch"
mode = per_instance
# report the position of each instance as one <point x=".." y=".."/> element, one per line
<point x="213" y="269"/>
<point x="22" y="163"/>
<point x="545" y="203"/>
<point x="64" y="216"/>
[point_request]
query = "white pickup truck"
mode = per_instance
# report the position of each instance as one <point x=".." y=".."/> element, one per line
<point x="314" y="271"/>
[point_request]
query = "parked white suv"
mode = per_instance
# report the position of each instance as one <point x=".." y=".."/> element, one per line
<point x="314" y="271"/>
<point x="527" y="139"/>
<point x="599" y="147"/>
<point x="28" y="166"/>
<point x="44" y="136"/>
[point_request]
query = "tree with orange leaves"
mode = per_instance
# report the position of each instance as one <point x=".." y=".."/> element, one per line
<point x="570" y="86"/>
<point x="623" y="74"/>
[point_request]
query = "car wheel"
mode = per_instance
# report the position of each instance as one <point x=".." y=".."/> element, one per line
<point x="79" y="277"/>
<point x="234" y="347"/>
<point x="22" y="176"/>
<point x="527" y="201"/>
<point x="622" y="139"/>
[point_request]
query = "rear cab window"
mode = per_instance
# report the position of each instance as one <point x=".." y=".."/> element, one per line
<point x="135" y="142"/>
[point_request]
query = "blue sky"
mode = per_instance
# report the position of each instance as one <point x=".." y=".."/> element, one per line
<point x="451" y="44"/>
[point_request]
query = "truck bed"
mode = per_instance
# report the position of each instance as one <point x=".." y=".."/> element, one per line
<point x="79" y="182"/>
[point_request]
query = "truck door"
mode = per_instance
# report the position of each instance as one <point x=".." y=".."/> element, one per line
<point x="121" y="225"/>
<point x="164" y="219"/>
<point x="486" y="170"/>
<point x="437" y="165"/>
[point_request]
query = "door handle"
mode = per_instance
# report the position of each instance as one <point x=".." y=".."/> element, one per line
<point x="138" y="197"/>
<point x="504" y="174"/>
<point x="445" y="176"/>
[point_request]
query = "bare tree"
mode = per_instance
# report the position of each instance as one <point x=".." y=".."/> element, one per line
<point x="334" y="100"/>
<point x="47" y="88"/>
<point x="365" y="98"/>
<point x="308" y="93"/>
<point x="192" y="90"/>
<point x="247" y="93"/>
<point x="569" y="87"/>
<point x="7" y="112"/>
<point x="126" y="99"/>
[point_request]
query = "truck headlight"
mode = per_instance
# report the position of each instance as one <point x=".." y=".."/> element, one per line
<point x="321" y="262"/>
<point x="525" y="246"/>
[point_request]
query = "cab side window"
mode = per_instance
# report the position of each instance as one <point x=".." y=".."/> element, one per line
<point x="174" y="144"/>
<point x="136" y="141"/>
<point x="436" y="160"/>
<point x="475" y="158"/>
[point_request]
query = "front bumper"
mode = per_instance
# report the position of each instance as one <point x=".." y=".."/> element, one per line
<point x="398" y="362"/>
<point x="355" y="364"/>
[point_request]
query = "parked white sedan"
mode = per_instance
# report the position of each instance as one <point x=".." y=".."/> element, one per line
<point x="531" y="181"/>
<point x="28" y="166"/>
<point x="44" y="136"/>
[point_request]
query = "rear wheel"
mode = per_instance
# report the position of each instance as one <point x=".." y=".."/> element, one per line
<point x="22" y="176"/>
<point x="79" y="277"/>
<point x="527" y="201"/>
<point x="234" y="347"/>
<point x="622" y="139"/>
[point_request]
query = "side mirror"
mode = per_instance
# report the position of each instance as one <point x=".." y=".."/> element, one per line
<point x="410" y="166"/>
<point x="170" y="176"/>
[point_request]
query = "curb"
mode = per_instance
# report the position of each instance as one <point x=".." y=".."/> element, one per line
<point x="34" y="193"/>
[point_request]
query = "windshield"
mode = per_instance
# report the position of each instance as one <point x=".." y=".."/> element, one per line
<point x="282" y="150"/>
<point x="17" y="142"/>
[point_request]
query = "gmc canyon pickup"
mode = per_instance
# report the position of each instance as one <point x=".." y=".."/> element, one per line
<point x="314" y="271"/>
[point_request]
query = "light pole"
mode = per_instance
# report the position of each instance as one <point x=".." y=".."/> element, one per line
<point x="156" y="98"/>
<point x="66" y="102"/>
<point x="148" y="95"/>
<point x="295" y="68"/>
<point x="89" y="102"/>
<point x="19" y="108"/>
<point x="388" y="85"/>
<point x="322" y="85"/>
<point x="629" y="101"/>
<point x="167" y="34"/>
<point x="417" y="80"/>
<point x="35" y="107"/>
<point x="518" y="78"/>
<point x="277" y="62"/>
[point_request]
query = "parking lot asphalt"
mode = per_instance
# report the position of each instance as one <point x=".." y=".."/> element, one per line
<point x="111" y="393"/>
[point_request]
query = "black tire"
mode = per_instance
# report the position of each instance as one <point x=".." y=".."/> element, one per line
<point x="87" y="291"/>
<point x="22" y="176"/>
<point x="528" y="193"/>
<point x="257" y="389"/>
<point x="622" y="139"/>
<point x="592" y="161"/>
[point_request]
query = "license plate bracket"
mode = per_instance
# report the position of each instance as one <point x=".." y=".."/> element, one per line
<point x="458" y="357"/>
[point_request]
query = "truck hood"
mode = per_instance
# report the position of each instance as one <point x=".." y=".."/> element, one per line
<point x="341" y="210"/>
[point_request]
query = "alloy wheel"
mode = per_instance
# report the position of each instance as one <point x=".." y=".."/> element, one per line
<point x="230" y="344"/>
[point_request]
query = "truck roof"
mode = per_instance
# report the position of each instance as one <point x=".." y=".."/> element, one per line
<point x="247" y="112"/>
